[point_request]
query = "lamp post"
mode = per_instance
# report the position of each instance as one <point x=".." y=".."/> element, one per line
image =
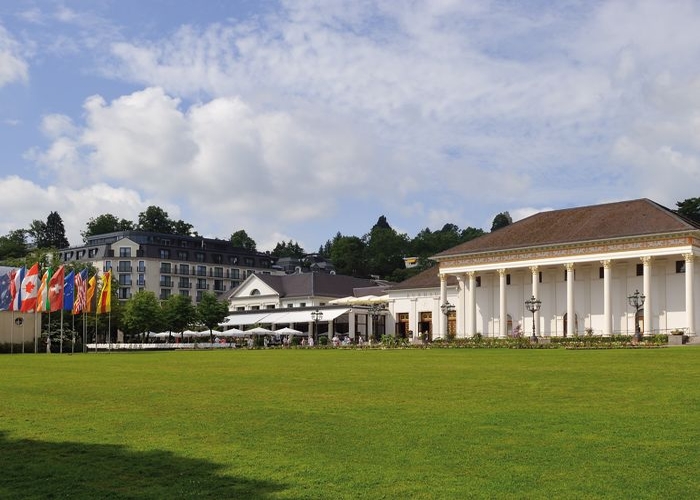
<point x="446" y="309"/>
<point x="533" y="305"/>
<point x="374" y="310"/>
<point x="636" y="300"/>
<point x="316" y="316"/>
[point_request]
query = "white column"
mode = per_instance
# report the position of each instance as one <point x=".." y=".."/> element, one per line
<point x="442" y="323"/>
<point x="535" y="270"/>
<point x="690" y="292"/>
<point x="502" y="322"/>
<point x="472" y="303"/>
<point x="607" y="299"/>
<point x="413" y="320"/>
<point x="570" y="313"/>
<point x="460" y="307"/>
<point x="351" y="324"/>
<point x="648" y="327"/>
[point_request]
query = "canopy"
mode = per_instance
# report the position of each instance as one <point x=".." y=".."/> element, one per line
<point x="234" y="332"/>
<point x="289" y="331"/>
<point x="259" y="331"/>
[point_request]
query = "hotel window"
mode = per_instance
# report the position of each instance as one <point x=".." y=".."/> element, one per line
<point x="108" y="265"/>
<point x="680" y="266"/>
<point x="141" y="266"/>
<point x="236" y="274"/>
<point x="184" y="269"/>
<point x="218" y="259"/>
<point x="165" y="267"/>
<point x="182" y="255"/>
<point x="164" y="293"/>
<point x="124" y="252"/>
<point x="125" y="280"/>
<point x="201" y="270"/>
<point x="249" y="261"/>
<point x="199" y="256"/>
<point x="164" y="253"/>
<point x="185" y="293"/>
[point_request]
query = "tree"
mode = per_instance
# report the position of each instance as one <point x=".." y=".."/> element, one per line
<point x="55" y="232"/>
<point x="385" y="249"/>
<point x="49" y="234"/>
<point x="183" y="228"/>
<point x="179" y="313"/>
<point x="211" y="311"/>
<point x="291" y="249"/>
<point x="156" y="220"/>
<point x="105" y="223"/>
<point x="690" y="208"/>
<point x="142" y="313"/>
<point x="501" y="220"/>
<point x="241" y="239"/>
<point x="13" y="245"/>
<point x="348" y="255"/>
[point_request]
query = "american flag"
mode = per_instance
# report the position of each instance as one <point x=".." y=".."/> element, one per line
<point x="80" y="286"/>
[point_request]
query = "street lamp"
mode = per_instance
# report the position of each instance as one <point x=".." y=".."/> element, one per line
<point x="533" y="305"/>
<point x="446" y="309"/>
<point x="374" y="310"/>
<point x="636" y="300"/>
<point x="316" y="316"/>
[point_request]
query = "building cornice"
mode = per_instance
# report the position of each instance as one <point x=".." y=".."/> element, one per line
<point x="581" y="251"/>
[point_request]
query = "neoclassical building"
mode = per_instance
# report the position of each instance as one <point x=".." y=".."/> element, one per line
<point x="583" y="265"/>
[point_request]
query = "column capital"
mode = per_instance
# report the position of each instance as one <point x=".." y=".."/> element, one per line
<point x="471" y="274"/>
<point x="689" y="257"/>
<point x="534" y="269"/>
<point x="502" y="272"/>
<point x="646" y="260"/>
<point x="606" y="263"/>
<point x="569" y="266"/>
<point x="443" y="277"/>
<point x="461" y="278"/>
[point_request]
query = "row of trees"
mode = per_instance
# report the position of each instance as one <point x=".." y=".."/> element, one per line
<point x="380" y="252"/>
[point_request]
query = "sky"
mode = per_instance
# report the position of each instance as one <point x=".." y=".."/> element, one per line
<point x="296" y="120"/>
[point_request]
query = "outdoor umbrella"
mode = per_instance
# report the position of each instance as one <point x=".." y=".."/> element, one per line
<point x="289" y="331"/>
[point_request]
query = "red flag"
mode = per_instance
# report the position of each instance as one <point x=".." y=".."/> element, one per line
<point x="30" y="288"/>
<point x="56" y="290"/>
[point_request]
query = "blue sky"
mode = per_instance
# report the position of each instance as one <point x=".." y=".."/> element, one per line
<point x="296" y="120"/>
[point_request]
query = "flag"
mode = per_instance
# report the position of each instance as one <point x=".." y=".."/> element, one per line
<point x="90" y="294"/>
<point x="6" y="291"/>
<point x="56" y="284"/>
<point x="30" y="289"/>
<point x="80" y="289"/>
<point x="104" y="302"/>
<point x="16" y="288"/>
<point x="69" y="291"/>
<point x="42" y="296"/>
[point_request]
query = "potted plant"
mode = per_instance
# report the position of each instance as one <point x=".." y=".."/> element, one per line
<point x="677" y="337"/>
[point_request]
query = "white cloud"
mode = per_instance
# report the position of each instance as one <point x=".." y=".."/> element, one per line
<point x="13" y="67"/>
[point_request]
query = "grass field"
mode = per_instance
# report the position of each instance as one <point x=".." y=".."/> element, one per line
<point x="438" y="423"/>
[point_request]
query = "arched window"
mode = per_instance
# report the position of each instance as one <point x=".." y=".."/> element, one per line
<point x="255" y="291"/>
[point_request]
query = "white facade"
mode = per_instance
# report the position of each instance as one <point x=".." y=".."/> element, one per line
<point x="589" y="281"/>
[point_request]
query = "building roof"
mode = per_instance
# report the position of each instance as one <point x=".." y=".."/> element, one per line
<point x="624" y="219"/>
<point x="314" y="284"/>
<point x="425" y="279"/>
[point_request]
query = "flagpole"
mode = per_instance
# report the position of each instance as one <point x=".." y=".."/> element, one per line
<point x="72" y="345"/>
<point x="48" y="335"/>
<point x="84" y="331"/>
<point x="109" y="328"/>
<point x="36" y="350"/>
<point x="61" y="330"/>
<point x="96" y="329"/>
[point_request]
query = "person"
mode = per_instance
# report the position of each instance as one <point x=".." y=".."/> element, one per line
<point x="311" y="341"/>
<point x="336" y="341"/>
<point x="360" y="341"/>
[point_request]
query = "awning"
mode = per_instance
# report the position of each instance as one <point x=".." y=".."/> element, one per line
<point x="284" y="316"/>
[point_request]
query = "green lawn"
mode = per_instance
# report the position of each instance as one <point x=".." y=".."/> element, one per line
<point x="438" y="423"/>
